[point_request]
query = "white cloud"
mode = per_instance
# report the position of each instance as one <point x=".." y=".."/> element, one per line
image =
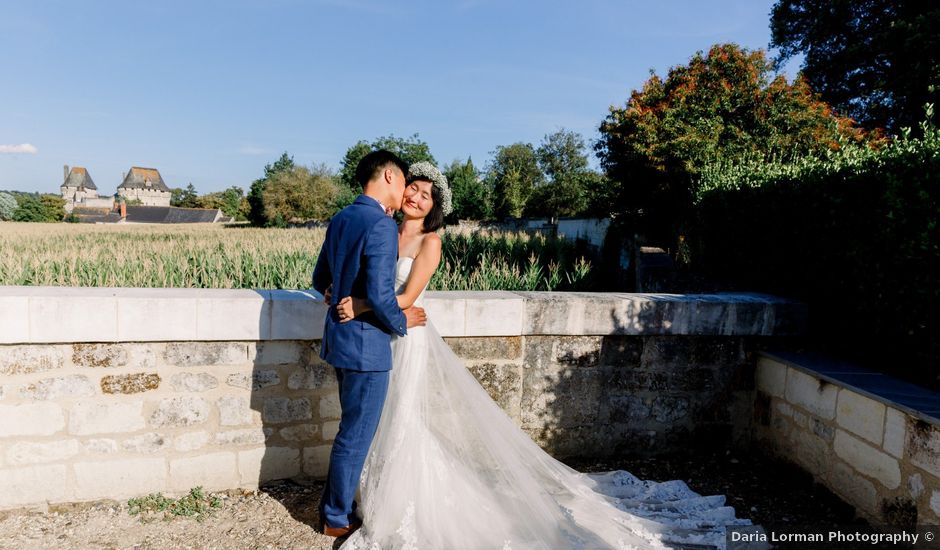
<point x="27" y="148"/>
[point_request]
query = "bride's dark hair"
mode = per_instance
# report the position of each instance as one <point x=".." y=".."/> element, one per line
<point x="435" y="218"/>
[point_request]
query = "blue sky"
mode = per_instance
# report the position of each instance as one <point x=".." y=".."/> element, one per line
<point x="208" y="92"/>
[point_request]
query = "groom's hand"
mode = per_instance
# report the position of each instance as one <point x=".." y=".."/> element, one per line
<point x="415" y="317"/>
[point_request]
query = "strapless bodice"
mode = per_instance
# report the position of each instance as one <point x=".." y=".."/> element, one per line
<point x="402" y="272"/>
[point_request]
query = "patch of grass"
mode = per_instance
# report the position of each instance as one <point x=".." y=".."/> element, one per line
<point x="197" y="504"/>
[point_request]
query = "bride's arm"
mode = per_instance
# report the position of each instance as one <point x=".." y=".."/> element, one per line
<point x="426" y="263"/>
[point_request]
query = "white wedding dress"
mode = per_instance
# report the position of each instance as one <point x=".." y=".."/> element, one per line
<point x="449" y="470"/>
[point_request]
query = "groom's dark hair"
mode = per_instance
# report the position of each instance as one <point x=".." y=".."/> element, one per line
<point x="372" y="165"/>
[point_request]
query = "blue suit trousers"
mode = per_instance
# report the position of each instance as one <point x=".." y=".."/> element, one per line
<point x="362" y="396"/>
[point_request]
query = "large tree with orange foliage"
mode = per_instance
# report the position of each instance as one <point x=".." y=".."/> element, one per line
<point x="723" y="105"/>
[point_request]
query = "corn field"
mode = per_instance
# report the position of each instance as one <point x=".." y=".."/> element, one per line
<point x="214" y="256"/>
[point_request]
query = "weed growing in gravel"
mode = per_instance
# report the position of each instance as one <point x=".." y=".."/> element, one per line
<point x="197" y="504"/>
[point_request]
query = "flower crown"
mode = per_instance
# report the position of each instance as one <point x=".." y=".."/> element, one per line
<point x="426" y="170"/>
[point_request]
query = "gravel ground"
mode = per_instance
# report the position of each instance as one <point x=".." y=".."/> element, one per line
<point x="771" y="493"/>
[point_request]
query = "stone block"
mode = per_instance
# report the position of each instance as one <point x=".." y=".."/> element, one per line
<point x="621" y="351"/>
<point x="296" y="315"/>
<point x="330" y="429"/>
<point x="503" y="383"/>
<point x="922" y="445"/>
<point x="300" y="432"/>
<point x="895" y="432"/>
<point x="31" y="419"/>
<point x="14" y="320"/>
<point x="235" y="411"/>
<point x="278" y="410"/>
<point x="809" y="451"/>
<point x="547" y="313"/>
<point x="193" y="382"/>
<point x="180" y="411"/>
<point x="118" y="479"/>
<point x="855" y="489"/>
<point x="256" y="466"/>
<point x="190" y="441"/>
<point x="861" y="415"/>
<point x="771" y="377"/>
<point x="493" y="313"/>
<point x="264" y="378"/>
<point x="275" y="353"/>
<point x="137" y="382"/>
<point x="867" y="460"/>
<point x="47" y="389"/>
<point x="192" y="354"/>
<point x="100" y="355"/>
<point x="813" y="394"/>
<point x="329" y="406"/>
<point x="447" y="313"/>
<point x="29" y="452"/>
<point x="211" y="471"/>
<point x="666" y="352"/>
<point x="31" y="485"/>
<point x="668" y="409"/>
<point x="249" y="436"/>
<point x="239" y="380"/>
<point x="73" y="315"/>
<point x="317" y="461"/>
<point x="506" y="348"/>
<point x="30" y="359"/>
<point x="314" y="376"/>
<point x="233" y="314"/>
<point x="86" y="418"/>
<point x="100" y="446"/>
<point x="146" y="443"/>
<point x="563" y="396"/>
<point x="157" y="314"/>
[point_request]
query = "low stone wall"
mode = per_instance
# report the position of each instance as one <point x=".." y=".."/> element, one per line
<point x="879" y="455"/>
<point x="111" y="393"/>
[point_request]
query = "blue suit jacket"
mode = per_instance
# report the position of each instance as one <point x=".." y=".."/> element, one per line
<point x="359" y="257"/>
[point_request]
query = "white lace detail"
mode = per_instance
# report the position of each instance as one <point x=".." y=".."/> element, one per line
<point x="449" y="469"/>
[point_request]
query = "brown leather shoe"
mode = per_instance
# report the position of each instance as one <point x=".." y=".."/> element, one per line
<point x="341" y="531"/>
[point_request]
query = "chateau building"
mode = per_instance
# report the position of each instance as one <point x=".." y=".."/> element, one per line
<point x="145" y="185"/>
<point x="78" y="189"/>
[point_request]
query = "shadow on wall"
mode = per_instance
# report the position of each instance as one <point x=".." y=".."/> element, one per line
<point x="293" y="392"/>
<point x="597" y="396"/>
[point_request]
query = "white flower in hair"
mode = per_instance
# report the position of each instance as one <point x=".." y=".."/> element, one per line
<point x="426" y="170"/>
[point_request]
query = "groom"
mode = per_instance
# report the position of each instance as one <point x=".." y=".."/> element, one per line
<point x="358" y="258"/>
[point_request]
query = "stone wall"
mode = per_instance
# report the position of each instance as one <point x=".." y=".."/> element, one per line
<point x="878" y="455"/>
<point x="111" y="393"/>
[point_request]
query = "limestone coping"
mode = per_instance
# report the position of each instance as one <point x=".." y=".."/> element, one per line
<point x="31" y="314"/>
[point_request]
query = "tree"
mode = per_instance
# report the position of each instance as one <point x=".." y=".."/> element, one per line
<point x="471" y="198"/>
<point x="877" y="61"/>
<point x="722" y="105"/>
<point x="255" y="194"/>
<point x="512" y="175"/>
<point x="228" y="201"/>
<point x="8" y="206"/>
<point x="184" y="198"/>
<point x="53" y="206"/>
<point x="299" y="194"/>
<point x="410" y="150"/>
<point x="562" y="155"/>
<point x="39" y="208"/>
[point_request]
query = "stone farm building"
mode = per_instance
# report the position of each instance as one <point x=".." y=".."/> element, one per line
<point x="145" y="185"/>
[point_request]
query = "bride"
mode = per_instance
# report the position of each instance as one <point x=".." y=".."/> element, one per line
<point x="448" y="469"/>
